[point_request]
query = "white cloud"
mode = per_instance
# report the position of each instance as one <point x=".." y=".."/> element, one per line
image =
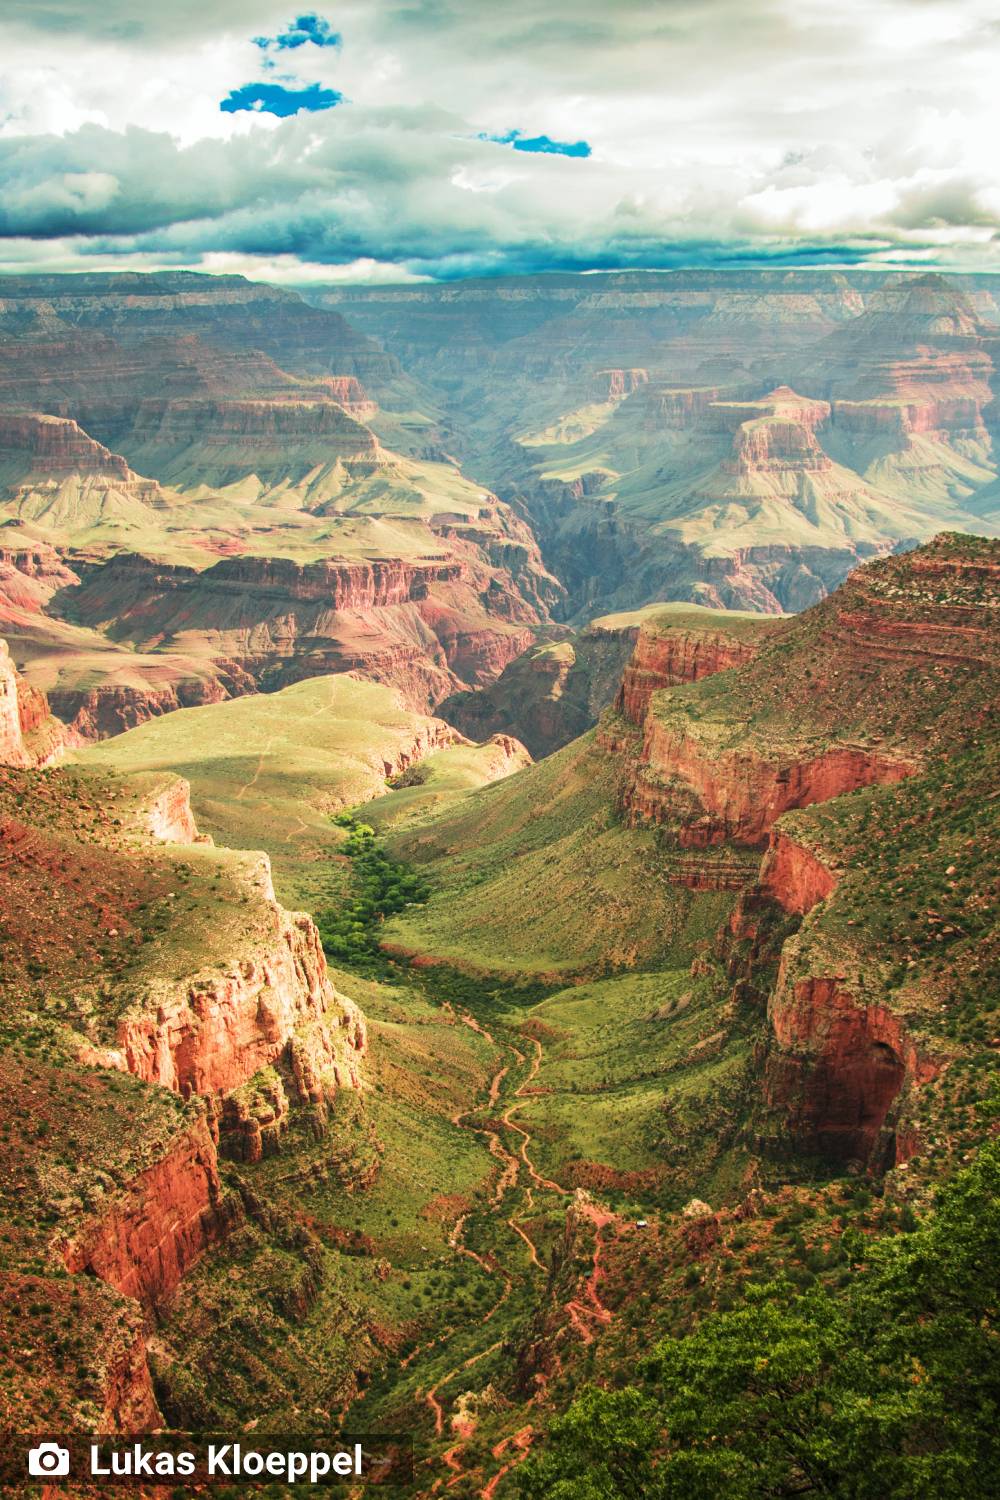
<point x="714" y="126"/>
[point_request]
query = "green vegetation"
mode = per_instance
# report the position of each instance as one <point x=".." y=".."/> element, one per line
<point x="564" y="1152"/>
<point x="267" y="770"/>
<point x="888" y="1390"/>
<point x="536" y="876"/>
<point x="637" y="1088"/>
<point x="384" y="886"/>
<point x="813" y="683"/>
<point x="921" y="887"/>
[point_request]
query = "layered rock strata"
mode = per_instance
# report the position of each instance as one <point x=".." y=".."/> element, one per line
<point x="29" y="736"/>
<point x="165" y="1220"/>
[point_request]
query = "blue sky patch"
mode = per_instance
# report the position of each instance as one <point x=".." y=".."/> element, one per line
<point x="275" y="99"/>
<point x="309" y="28"/>
<point x="539" y="143"/>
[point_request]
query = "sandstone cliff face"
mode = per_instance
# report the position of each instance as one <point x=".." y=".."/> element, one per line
<point x="664" y="658"/>
<point x="29" y="736"/>
<point x="840" y="1070"/>
<point x="423" y="628"/>
<point x="129" y="1402"/>
<point x="615" y="385"/>
<point x="154" y="1203"/>
<point x="97" y="713"/>
<point x="348" y="391"/>
<point x="793" y="875"/>
<point x="167" y="1218"/>
<point x="737" y="794"/>
<point x="55" y="445"/>
<point x="12" y="748"/>
<point x="209" y="1034"/>
<point x="197" y="441"/>
<point x="169" y="815"/>
<point x="30" y="573"/>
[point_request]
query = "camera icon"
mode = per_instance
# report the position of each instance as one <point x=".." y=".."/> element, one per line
<point x="48" y="1461"/>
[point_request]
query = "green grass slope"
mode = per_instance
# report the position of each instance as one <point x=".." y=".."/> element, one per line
<point x="537" y="876"/>
<point x="269" y="770"/>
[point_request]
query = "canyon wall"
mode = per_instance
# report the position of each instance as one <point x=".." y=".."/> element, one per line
<point x="212" y="1033"/>
<point x="424" y="628"/>
<point x="55" y="446"/>
<point x="165" y="1220"/>
<point x="794" y="875"/>
<point x="840" y="1068"/>
<point x="736" y="794"/>
<point x="29" y="736"/>
<point x="549" y="694"/>
<point x="664" y="657"/>
<point x="151" y="1202"/>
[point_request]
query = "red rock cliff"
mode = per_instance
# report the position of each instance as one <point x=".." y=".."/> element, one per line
<point x="57" y="445"/>
<point x="29" y="736"/>
<point x="170" y="817"/>
<point x="267" y="995"/>
<point x="215" y="1031"/>
<point x="738" y="793"/>
<point x="168" y="1216"/>
<point x="839" y="1069"/>
<point x="663" y="658"/>
<point x="615" y="385"/>
<point x="794" y="875"/>
<point x="422" y="627"/>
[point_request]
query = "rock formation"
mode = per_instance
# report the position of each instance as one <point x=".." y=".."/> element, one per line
<point x="667" y="653"/>
<point x="216" y="1031"/>
<point x="800" y="724"/>
<point x="420" y="627"/>
<point x="167" y="1218"/>
<point x="29" y="736"/>
<point x="737" y="795"/>
<point x="550" y="693"/>
<point x="793" y="875"/>
<point x="783" y="428"/>
<point x="839" y="1067"/>
<point x="188" y="1008"/>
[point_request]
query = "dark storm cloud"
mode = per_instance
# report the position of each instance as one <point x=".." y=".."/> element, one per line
<point x="97" y="182"/>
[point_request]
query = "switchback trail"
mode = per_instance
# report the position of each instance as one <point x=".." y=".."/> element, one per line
<point x="508" y="1086"/>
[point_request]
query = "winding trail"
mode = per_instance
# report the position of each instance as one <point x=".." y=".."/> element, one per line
<point x="586" y="1312"/>
<point x="582" y="1314"/>
<point x="536" y="1177"/>
<point x="260" y="766"/>
<point x="520" y="1442"/>
<point x="532" y="1250"/>
<point x="431" y="1396"/>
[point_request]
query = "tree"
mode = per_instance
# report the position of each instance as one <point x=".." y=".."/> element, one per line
<point x="886" y="1390"/>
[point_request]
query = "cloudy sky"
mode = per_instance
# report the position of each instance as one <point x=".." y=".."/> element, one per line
<point x="393" y="139"/>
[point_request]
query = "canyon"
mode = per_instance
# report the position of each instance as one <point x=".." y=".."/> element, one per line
<point x="497" y="829"/>
<point x="161" y="435"/>
<point x="732" y="441"/>
<point x="234" y="1100"/>
<point x="741" y="439"/>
